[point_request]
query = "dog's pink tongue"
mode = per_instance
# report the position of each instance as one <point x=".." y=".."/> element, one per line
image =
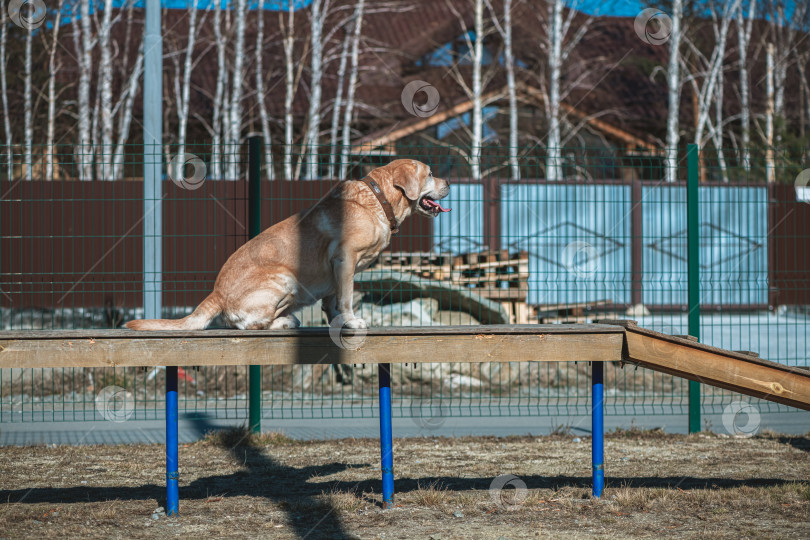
<point x="434" y="204"/>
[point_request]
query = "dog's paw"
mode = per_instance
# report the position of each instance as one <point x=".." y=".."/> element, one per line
<point x="290" y="321"/>
<point x="355" y="323"/>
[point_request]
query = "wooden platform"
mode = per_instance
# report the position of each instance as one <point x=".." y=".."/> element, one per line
<point x="616" y="341"/>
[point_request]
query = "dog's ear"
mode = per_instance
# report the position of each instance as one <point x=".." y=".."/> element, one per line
<point x="408" y="178"/>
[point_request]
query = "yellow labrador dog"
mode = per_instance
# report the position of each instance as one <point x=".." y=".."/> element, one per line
<point x="315" y="254"/>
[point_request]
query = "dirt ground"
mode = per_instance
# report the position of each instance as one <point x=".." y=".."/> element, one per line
<point x="658" y="485"/>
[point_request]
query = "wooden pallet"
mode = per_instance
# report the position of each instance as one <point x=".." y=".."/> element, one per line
<point x="556" y="313"/>
<point x="494" y="274"/>
<point x="425" y="264"/>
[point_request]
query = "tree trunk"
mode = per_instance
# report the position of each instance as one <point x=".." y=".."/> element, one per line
<point x="222" y="75"/>
<point x="125" y="120"/>
<point x="105" y="81"/>
<point x="477" y="116"/>
<point x="510" y="85"/>
<point x="718" y="129"/>
<point x="710" y="83"/>
<point x="674" y="93"/>
<point x="28" y="110"/>
<point x="770" y="169"/>
<point x="185" y="89"/>
<point x="743" y="39"/>
<point x="53" y="68"/>
<point x="85" y="60"/>
<point x="4" y="92"/>
<point x="319" y="9"/>
<point x="265" y="118"/>
<point x="234" y="137"/>
<point x="289" y="42"/>
<point x="350" y="92"/>
<point x="553" y="154"/>
<point x="336" y="108"/>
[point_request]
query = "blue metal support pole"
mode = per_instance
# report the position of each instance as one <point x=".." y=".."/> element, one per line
<point x="598" y="418"/>
<point x="172" y="461"/>
<point x="386" y="436"/>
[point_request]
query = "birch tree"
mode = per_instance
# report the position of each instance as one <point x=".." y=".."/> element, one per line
<point x="53" y="68"/>
<point x="235" y="115"/>
<point x="558" y="45"/>
<point x="28" y="107"/>
<point x="82" y="31"/>
<point x="4" y="92"/>
<point x="182" y="89"/>
<point x="319" y="10"/>
<point x="770" y="169"/>
<point x="265" y="118"/>
<point x="784" y="31"/>
<point x="290" y="86"/>
<point x="553" y="154"/>
<point x="105" y="82"/>
<point x="510" y="86"/>
<point x="714" y="69"/>
<point x="509" y="64"/>
<point x="744" y="27"/>
<point x="348" y="110"/>
<point x="477" y="120"/>
<point x="673" y="93"/>
<point x="474" y="42"/>
<point x="125" y="106"/>
<point x="219" y="94"/>
<point x="337" y="106"/>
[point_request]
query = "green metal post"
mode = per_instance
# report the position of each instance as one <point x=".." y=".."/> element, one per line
<point x="254" y="228"/>
<point x="693" y="271"/>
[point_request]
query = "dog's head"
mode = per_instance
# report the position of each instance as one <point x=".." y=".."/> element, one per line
<point x="417" y="186"/>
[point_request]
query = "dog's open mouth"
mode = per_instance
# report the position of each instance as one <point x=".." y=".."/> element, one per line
<point x="432" y="206"/>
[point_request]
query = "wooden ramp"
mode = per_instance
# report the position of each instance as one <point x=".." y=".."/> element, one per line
<point x="740" y="371"/>
<point x="616" y="341"/>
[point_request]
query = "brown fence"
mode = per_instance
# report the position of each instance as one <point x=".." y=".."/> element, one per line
<point x="789" y="242"/>
<point x="79" y="244"/>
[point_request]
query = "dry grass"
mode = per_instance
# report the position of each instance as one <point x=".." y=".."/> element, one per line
<point x="234" y="484"/>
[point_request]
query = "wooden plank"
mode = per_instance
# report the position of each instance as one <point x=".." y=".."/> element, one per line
<point x="493" y="329"/>
<point x="112" y="348"/>
<point x="717" y="367"/>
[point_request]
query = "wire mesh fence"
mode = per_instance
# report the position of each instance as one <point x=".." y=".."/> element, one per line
<point x="605" y="240"/>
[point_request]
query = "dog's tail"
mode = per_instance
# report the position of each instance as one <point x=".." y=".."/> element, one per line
<point x="199" y="319"/>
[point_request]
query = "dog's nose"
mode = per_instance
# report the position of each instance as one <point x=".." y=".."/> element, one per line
<point x="445" y="186"/>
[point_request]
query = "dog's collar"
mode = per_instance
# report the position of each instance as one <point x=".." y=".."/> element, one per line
<point x="386" y="206"/>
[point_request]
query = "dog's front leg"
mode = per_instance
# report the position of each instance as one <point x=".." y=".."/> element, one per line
<point x="343" y="266"/>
